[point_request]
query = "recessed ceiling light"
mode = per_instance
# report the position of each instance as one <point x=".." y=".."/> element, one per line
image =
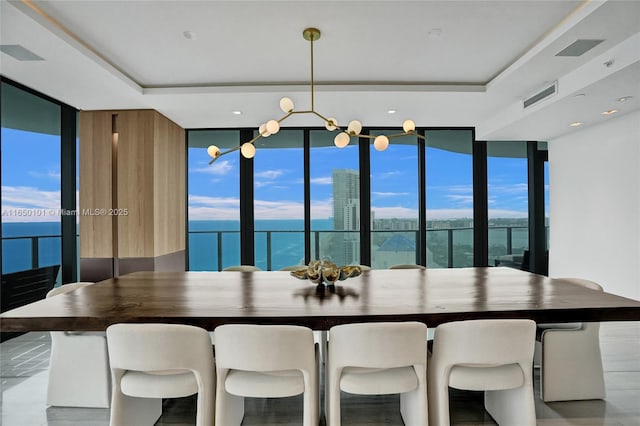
<point x="579" y="95"/>
<point x="624" y="98"/>
<point x="609" y="112"/>
<point x="189" y="35"/>
<point x="236" y="112"/>
<point x="392" y="111"/>
<point x="576" y="124"/>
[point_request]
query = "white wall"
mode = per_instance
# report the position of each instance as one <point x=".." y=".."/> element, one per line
<point x="594" y="178"/>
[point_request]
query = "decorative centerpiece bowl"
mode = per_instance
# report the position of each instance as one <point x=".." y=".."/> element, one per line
<point x="326" y="273"/>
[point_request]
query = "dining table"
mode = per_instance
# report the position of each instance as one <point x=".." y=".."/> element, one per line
<point x="210" y="299"/>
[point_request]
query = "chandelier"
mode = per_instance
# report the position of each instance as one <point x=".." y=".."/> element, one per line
<point x="342" y="139"/>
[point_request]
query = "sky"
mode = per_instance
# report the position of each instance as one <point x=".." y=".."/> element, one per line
<point x="278" y="183"/>
<point x="31" y="182"/>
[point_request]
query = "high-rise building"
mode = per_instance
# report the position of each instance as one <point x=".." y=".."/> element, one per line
<point x="346" y="216"/>
<point x="346" y="199"/>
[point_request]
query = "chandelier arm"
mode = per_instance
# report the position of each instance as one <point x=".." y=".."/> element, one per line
<point x="398" y="135"/>
<point x="287" y="115"/>
<point x="326" y="119"/>
<point x="230" y="150"/>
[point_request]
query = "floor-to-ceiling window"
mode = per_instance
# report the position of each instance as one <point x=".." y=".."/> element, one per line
<point x="308" y="200"/>
<point x="449" y="195"/>
<point x="278" y="171"/>
<point x="31" y="206"/>
<point x="394" y="202"/>
<point x="213" y="201"/>
<point x="335" y="199"/>
<point x="507" y="175"/>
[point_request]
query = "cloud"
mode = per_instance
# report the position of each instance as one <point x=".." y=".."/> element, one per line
<point x="461" y="199"/>
<point x="220" y="168"/>
<point x="29" y="204"/>
<point x="51" y="174"/>
<point x="269" y="174"/>
<point x="322" y="180"/>
<point x="389" y="174"/>
<point x="217" y="208"/>
<point x="214" y="201"/>
<point x="467" y="189"/>
<point x="514" y="188"/>
<point x="389" y="194"/>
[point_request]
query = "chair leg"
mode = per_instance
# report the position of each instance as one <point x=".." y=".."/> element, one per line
<point x="438" y="401"/>
<point x="128" y="410"/>
<point x="413" y="407"/>
<point x="229" y="408"/>
<point x="205" y="414"/>
<point x="333" y="407"/>
<point x="512" y="407"/>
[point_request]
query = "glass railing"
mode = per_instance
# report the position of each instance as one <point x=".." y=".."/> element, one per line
<point x="214" y="250"/>
<point x="30" y="252"/>
<point x="446" y="248"/>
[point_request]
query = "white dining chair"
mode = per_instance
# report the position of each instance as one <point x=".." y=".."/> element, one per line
<point x="242" y="268"/>
<point x="570" y="358"/>
<point x="154" y="361"/>
<point x="407" y="266"/>
<point x="494" y="356"/>
<point x="79" y="367"/>
<point x="265" y="361"/>
<point x="379" y="359"/>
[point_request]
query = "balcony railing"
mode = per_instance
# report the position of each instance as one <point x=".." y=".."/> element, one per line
<point x="451" y="247"/>
<point x="30" y="252"/>
<point x="213" y="250"/>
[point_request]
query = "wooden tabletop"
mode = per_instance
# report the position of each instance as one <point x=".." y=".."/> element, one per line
<point x="209" y="299"/>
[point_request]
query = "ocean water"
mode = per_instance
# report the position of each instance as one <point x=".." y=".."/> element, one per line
<point x="16" y="253"/>
<point x="218" y="241"/>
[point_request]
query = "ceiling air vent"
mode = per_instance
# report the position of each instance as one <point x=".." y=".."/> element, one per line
<point x="579" y="47"/>
<point x="20" y="53"/>
<point x="541" y="95"/>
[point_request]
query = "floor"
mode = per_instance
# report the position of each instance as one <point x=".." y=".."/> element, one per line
<point x="23" y="381"/>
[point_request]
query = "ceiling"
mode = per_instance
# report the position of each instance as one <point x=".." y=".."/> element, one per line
<point x="441" y="63"/>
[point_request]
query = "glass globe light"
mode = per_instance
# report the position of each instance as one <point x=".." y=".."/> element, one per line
<point x="263" y="130"/>
<point x="380" y="143"/>
<point x="248" y="150"/>
<point x="331" y="124"/>
<point x="286" y="104"/>
<point x="213" y="151"/>
<point x="408" y="126"/>
<point x="272" y="127"/>
<point x="355" y="127"/>
<point x="341" y="140"/>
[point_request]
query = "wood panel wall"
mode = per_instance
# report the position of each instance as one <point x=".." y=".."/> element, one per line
<point x="150" y="179"/>
<point x="169" y="186"/>
<point x="95" y="184"/>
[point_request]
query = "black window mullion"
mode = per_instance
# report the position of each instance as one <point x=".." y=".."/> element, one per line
<point x="480" y="204"/>
<point x="365" y="200"/>
<point x="421" y="243"/>
<point x="307" y="197"/>
<point x="537" y="237"/>
<point x="68" y="125"/>
<point x="247" y="226"/>
<point x="186" y="201"/>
